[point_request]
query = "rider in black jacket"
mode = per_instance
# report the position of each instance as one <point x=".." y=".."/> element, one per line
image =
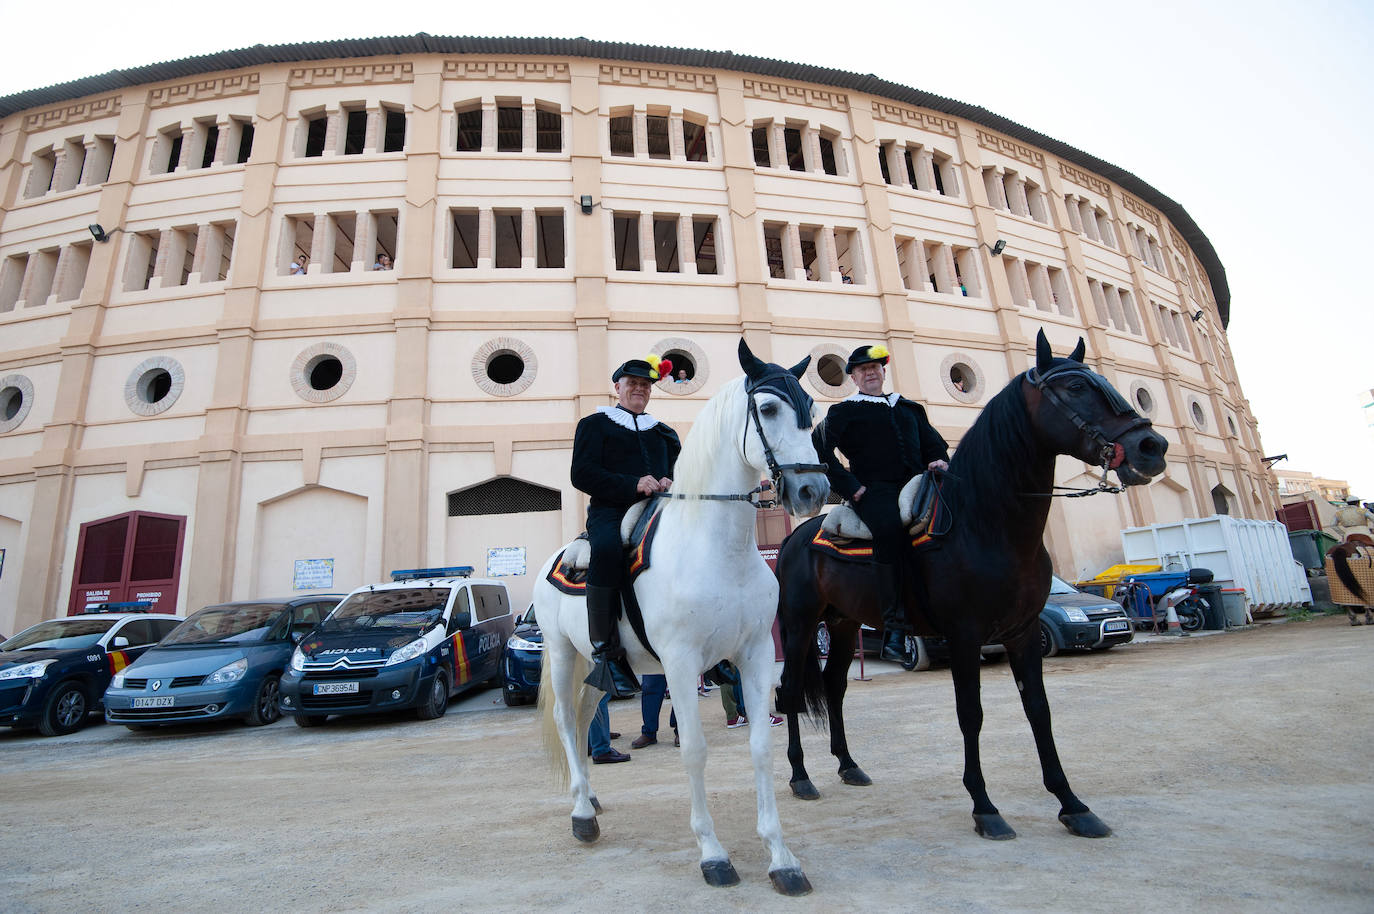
<point x="887" y="439"/>
<point x="621" y="454"/>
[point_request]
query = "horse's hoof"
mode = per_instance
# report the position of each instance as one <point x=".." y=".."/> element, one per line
<point x="586" y="830"/>
<point x="596" y="804"/>
<point x="719" y="873"/>
<point x="790" y="882"/>
<point x="855" y="777"/>
<point x="1085" y="824"/>
<point x="805" y="790"/>
<point x="992" y="826"/>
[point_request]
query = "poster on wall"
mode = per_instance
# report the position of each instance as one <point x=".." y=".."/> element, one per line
<point x="314" y="574"/>
<point x="505" y="561"/>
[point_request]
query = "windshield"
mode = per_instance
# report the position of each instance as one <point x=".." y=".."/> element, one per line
<point x="214" y="624"/>
<point x="59" y="634"/>
<point x="411" y="607"/>
<point x="1058" y="586"/>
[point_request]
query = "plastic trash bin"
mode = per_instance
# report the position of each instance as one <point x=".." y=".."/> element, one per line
<point x="1233" y="601"/>
<point x="1214" y="619"/>
<point x="1310" y="546"/>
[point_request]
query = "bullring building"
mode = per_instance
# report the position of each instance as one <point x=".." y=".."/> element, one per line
<point x="283" y="319"/>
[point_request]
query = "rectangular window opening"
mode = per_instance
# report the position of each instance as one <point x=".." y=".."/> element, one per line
<point x="848" y="257"/>
<point x="470" y="130"/>
<point x="41" y="169"/>
<point x="510" y="121"/>
<point x="657" y="130"/>
<point x="207" y="155"/>
<point x="828" y="163"/>
<point x="98" y="169"/>
<point x="693" y="140"/>
<point x="792" y="143"/>
<point x="73" y="278"/>
<point x="393" y="130"/>
<point x="704" y="246"/>
<point x="174" y="154"/>
<point x="548" y="130"/>
<point x="622" y="135"/>
<point x="345" y="232"/>
<point x="218" y="269"/>
<point x="315" y="128"/>
<point x="506" y="239"/>
<point x="1059" y="291"/>
<point x="910" y="167"/>
<point x="759" y="136"/>
<point x="627" y="241"/>
<point x="465" y="228"/>
<point x="73" y="162"/>
<point x="355" y="131"/>
<point x="43" y="266"/>
<point x="665" y="245"/>
<point x="772" y="246"/>
<point x="938" y="165"/>
<point x="550" y="251"/>
<point x="300" y="239"/>
<point x="388" y="225"/>
<point x="185" y="249"/>
<point x="245" y="144"/>
<point x="882" y="162"/>
<point x="809" y="250"/>
<point x="12" y="280"/>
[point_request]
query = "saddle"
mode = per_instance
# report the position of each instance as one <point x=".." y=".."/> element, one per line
<point x="915" y="503"/>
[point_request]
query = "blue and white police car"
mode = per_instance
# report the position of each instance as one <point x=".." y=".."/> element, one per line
<point x="409" y="644"/>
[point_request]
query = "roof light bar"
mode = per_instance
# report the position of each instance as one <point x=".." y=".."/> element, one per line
<point x="419" y="574"/>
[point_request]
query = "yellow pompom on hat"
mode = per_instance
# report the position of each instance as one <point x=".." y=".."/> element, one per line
<point x="866" y="354"/>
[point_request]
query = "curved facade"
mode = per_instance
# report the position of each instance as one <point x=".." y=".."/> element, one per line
<point x="342" y="315"/>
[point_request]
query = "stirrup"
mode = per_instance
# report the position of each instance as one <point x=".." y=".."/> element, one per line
<point x="613" y="676"/>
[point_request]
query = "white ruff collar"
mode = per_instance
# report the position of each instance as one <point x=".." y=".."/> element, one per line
<point x="860" y="397"/>
<point x="626" y="419"/>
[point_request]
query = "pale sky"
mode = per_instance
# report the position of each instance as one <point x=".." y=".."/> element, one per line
<point x="1255" y="116"/>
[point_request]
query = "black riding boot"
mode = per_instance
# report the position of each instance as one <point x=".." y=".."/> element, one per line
<point x="611" y="672"/>
<point x="895" y="622"/>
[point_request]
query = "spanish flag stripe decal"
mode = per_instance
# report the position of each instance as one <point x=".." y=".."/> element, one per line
<point x="460" y="660"/>
<point x="118" y="661"/>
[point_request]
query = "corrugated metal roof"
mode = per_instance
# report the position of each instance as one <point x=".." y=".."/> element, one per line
<point x="423" y="43"/>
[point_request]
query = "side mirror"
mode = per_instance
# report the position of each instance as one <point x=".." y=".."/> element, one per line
<point x="463" y="619"/>
<point x="119" y="641"/>
<point x="296" y="636"/>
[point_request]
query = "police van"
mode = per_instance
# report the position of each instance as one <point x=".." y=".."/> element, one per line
<point x="410" y="644"/>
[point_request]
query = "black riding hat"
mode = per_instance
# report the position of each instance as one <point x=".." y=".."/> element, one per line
<point x="650" y="369"/>
<point x="865" y="354"/>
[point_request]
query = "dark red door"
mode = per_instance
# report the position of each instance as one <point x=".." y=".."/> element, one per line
<point x="126" y="558"/>
<point x="772" y="527"/>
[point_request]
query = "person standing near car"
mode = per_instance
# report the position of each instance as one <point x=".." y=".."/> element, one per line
<point x="621" y="454"/>
<point x="887" y="440"/>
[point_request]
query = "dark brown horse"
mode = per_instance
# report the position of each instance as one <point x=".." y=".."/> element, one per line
<point x="1356" y="546"/>
<point x="986" y="580"/>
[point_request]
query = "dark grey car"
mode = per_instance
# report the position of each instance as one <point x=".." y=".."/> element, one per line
<point x="223" y="662"/>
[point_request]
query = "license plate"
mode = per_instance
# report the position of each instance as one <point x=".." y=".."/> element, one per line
<point x="1117" y="625"/>
<point x="335" y="688"/>
<point x="153" y="702"/>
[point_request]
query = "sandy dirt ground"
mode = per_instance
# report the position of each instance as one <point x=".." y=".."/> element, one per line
<point x="1235" y="770"/>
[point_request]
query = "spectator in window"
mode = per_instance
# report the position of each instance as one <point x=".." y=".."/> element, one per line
<point x="681" y="376"/>
<point x="383" y="262"/>
<point x="300" y="265"/>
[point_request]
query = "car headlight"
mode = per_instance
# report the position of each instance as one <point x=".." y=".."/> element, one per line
<point x="118" y="681"/>
<point x="298" y="660"/>
<point x="33" y="670"/>
<point x="231" y="672"/>
<point x="409" y="652"/>
<point x="1075" y="615"/>
<point x="516" y="643"/>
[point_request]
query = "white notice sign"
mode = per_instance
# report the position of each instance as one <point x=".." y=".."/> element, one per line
<point x="314" y="574"/>
<point x="505" y="561"/>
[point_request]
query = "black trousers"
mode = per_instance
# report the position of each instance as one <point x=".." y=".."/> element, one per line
<point x="606" y="568"/>
<point x="878" y="509"/>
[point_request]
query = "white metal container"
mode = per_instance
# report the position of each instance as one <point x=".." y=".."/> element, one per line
<point x="1253" y="553"/>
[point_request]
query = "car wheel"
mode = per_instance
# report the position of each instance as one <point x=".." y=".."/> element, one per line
<point x="65" y="711"/>
<point x="917" y="657"/>
<point x="265" y="708"/>
<point x="1192" y="613"/>
<point x="309" y="720"/>
<point x="1048" y="647"/>
<point x="436" y="703"/>
<point x="513" y="698"/>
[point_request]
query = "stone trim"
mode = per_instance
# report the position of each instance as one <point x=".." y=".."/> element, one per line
<point x="1140" y="209"/>
<point x="494" y="347"/>
<point x="308" y="358"/>
<point x="966" y="363"/>
<point x="78" y="113"/>
<point x="1083" y="179"/>
<point x="818" y="384"/>
<point x="1138" y="387"/>
<point x="921" y="120"/>
<point x="132" y="385"/>
<point x="202" y="89"/>
<point x="25" y="388"/>
<point x="533" y="70"/>
<point x="654" y="77"/>
<point x="1010" y="148"/>
<point x="801" y="95"/>
<point x="351" y="75"/>
<point x="668" y="385"/>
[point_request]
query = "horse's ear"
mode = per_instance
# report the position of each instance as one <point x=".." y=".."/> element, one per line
<point x="1043" y="356"/>
<point x="748" y="361"/>
<point x="799" y="369"/>
<point x="1077" y="354"/>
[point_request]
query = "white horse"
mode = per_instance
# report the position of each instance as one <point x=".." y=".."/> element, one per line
<point x="707" y="596"/>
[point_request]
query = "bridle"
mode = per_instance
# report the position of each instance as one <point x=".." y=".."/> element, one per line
<point x="780" y="382"/>
<point x="1110" y="454"/>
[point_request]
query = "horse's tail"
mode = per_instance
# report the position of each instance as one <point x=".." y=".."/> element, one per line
<point x="1340" y="560"/>
<point x="553" y="746"/>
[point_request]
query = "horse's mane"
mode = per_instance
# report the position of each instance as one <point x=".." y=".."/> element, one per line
<point x="997" y="453"/>
<point x="719" y="421"/>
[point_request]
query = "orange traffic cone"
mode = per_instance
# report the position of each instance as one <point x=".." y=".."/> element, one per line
<point x="1174" y="627"/>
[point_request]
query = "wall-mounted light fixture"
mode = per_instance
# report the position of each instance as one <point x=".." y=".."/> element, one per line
<point x="99" y="232"/>
<point x="997" y="248"/>
<point x="586" y="202"/>
<point x="1197" y="317"/>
